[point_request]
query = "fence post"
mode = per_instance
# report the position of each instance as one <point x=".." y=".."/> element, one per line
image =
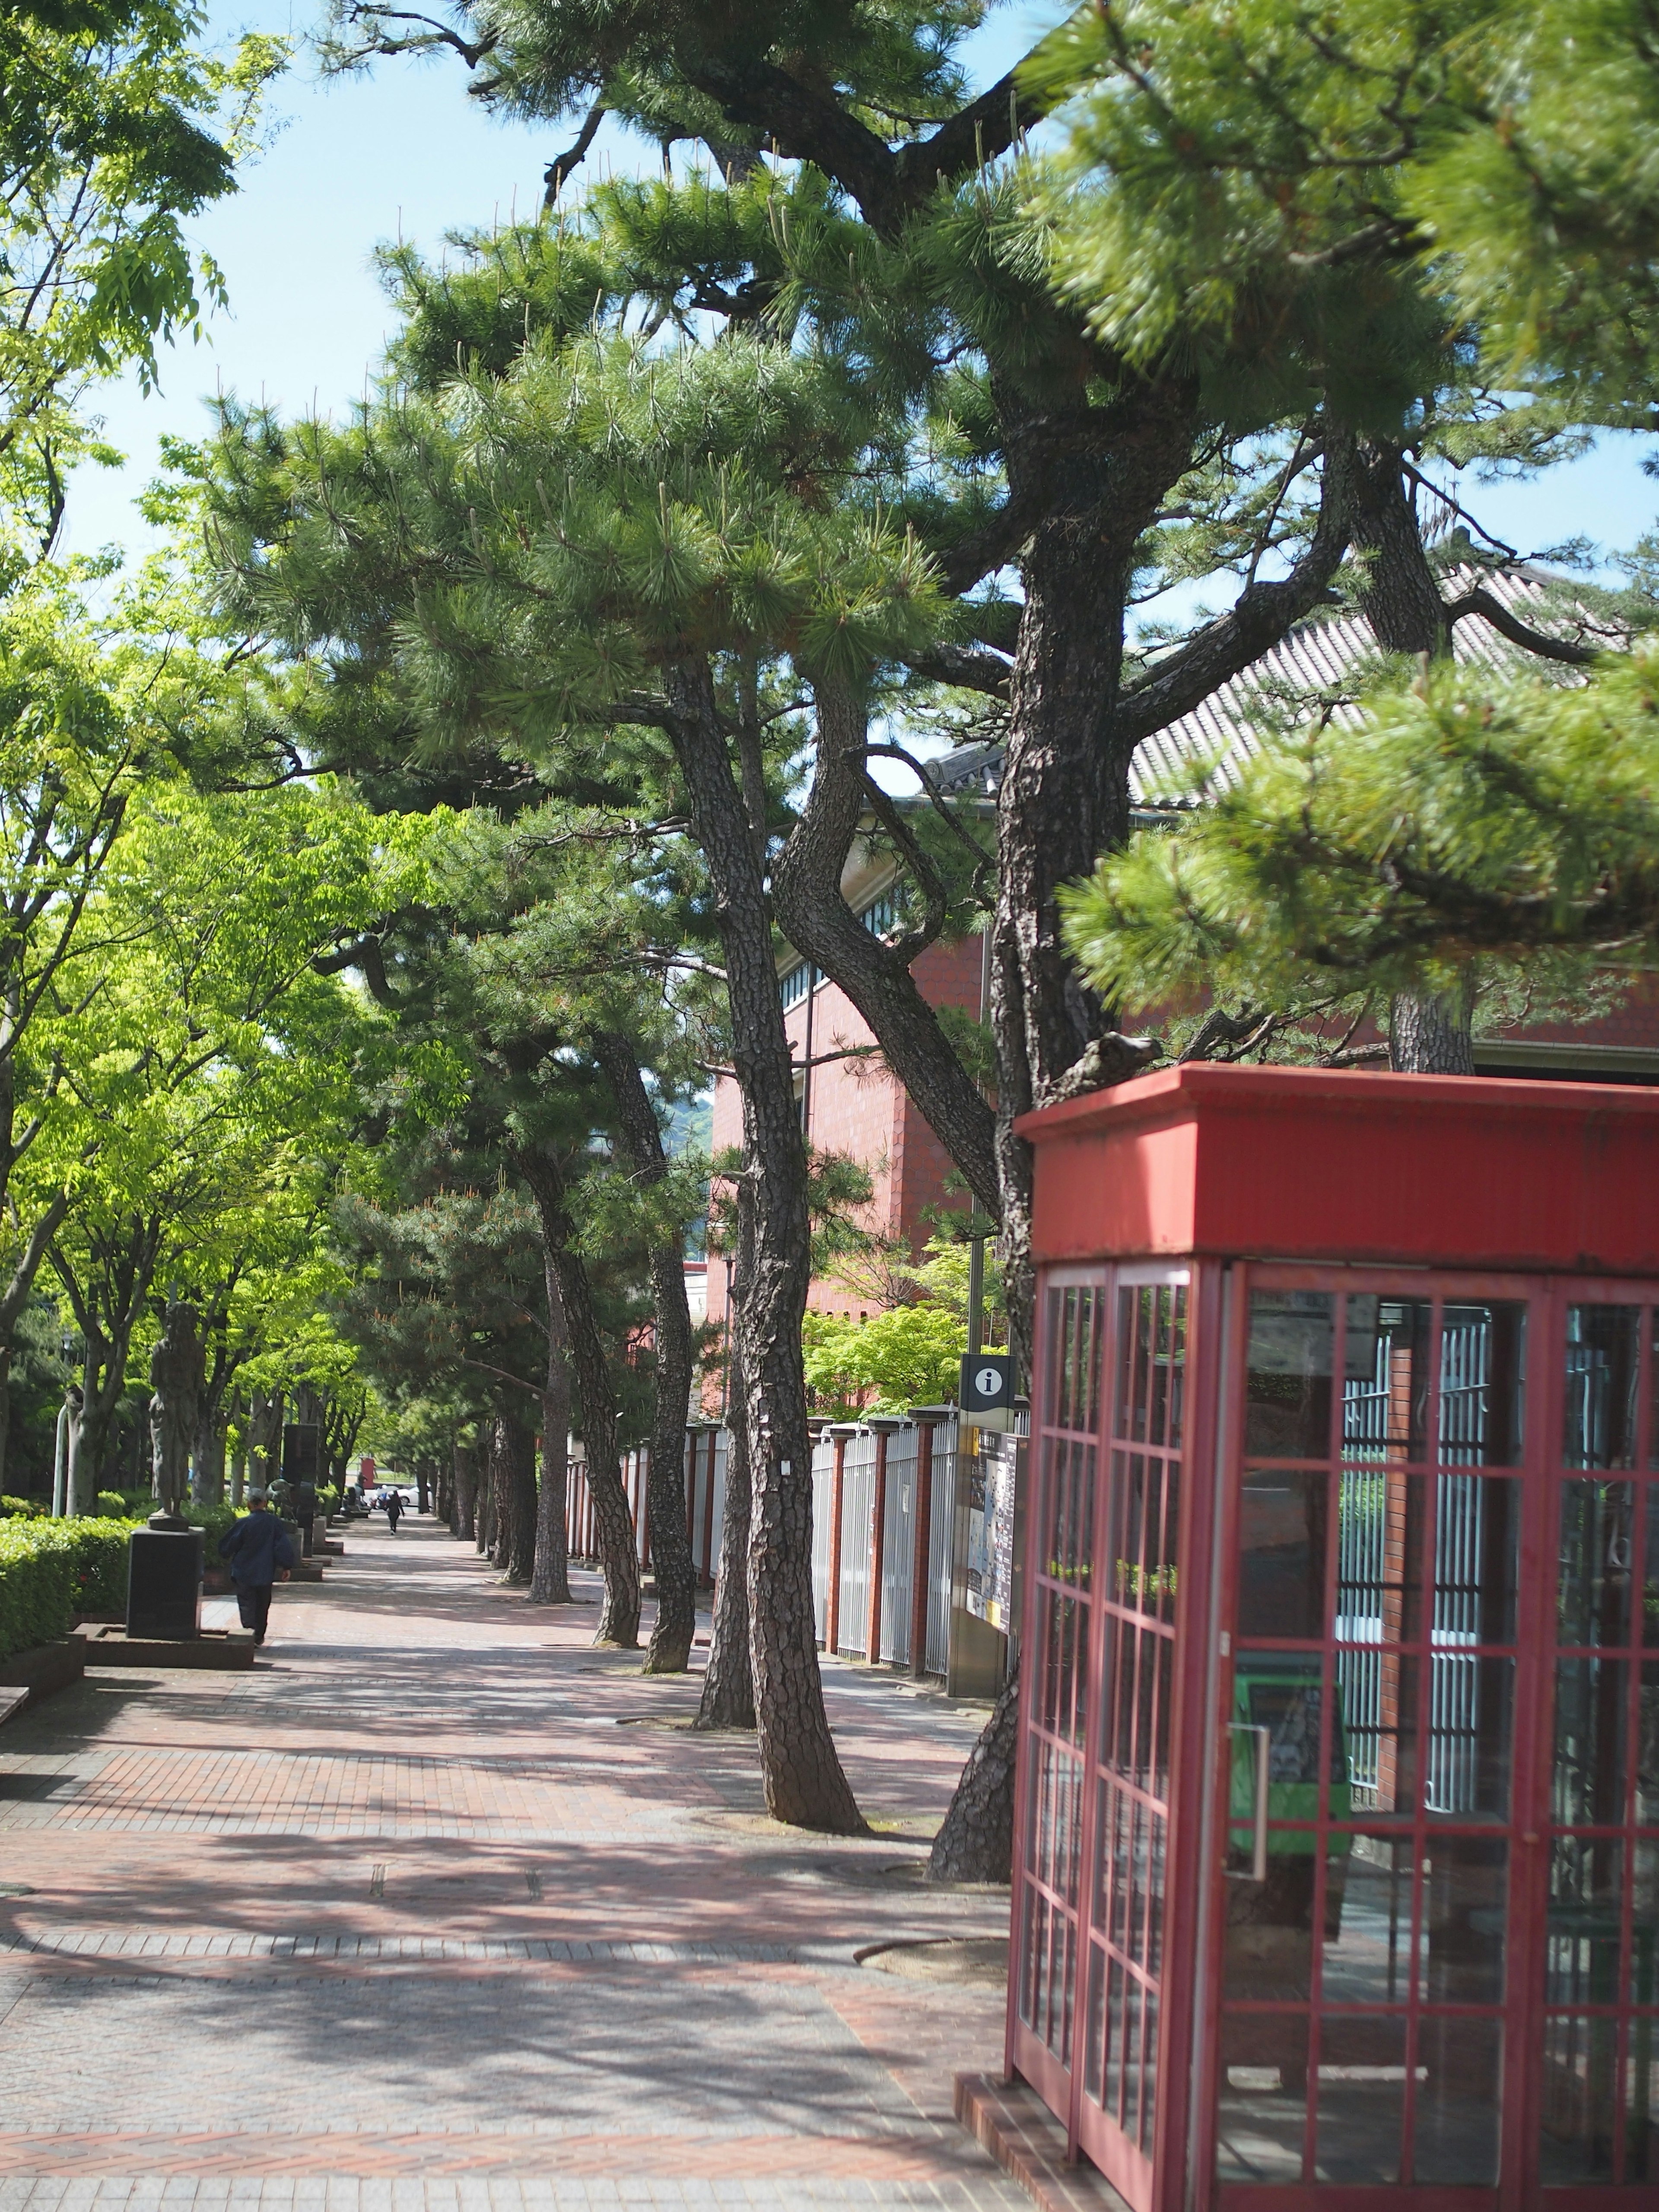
<point x="924" y="1510"/>
<point x="708" y="1506"/>
<point x="884" y="1428"/>
<point x="832" y="1580"/>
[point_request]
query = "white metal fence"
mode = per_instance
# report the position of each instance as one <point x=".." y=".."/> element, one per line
<point x="880" y="1586"/>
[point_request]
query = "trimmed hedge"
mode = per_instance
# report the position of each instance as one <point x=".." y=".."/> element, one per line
<point x="51" y="1572"/>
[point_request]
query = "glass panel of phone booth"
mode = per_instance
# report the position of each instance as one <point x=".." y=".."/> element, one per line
<point x="1061" y="1550"/>
<point x="1090" y="1940"/>
<point x="1375" y="1627"/>
<point x="1130" y="1737"/>
<point x="1598" y="2106"/>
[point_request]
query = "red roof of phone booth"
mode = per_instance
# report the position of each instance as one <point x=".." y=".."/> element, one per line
<point x="1333" y="1165"/>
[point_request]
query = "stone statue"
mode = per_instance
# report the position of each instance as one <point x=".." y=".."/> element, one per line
<point x="176" y="1370"/>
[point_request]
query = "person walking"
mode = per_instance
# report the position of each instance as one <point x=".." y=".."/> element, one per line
<point x="394" y="1511"/>
<point x="258" y="1548"/>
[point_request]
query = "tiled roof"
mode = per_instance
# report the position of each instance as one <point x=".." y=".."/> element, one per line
<point x="1313" y="666"/>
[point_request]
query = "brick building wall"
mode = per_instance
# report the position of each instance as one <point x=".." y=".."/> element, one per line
<point x="858" y="1108"/>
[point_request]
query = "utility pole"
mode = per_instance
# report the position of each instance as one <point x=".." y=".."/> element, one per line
<point x="977" y="1244"/>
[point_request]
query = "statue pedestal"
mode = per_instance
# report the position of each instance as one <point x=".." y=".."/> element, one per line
<point x="164" y="1584"/>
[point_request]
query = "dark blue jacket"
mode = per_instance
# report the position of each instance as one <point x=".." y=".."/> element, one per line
<point x="256" y="1547"/>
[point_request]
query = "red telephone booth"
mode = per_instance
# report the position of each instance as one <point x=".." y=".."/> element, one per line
<point x="1337" y="1863"/>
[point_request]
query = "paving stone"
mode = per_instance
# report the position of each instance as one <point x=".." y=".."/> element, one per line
<point x="412" y="1918"/>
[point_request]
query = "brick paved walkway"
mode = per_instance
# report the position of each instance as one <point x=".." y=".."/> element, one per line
<point x="440" y="1910"/>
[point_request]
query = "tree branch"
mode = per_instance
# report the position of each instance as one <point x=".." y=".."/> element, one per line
<point x="562" y="166"/>
<point x="806" y="127"/>
<point x="368" y="956"/>
<point x="975" y="135"/>
<point x="969" y="670"/>
<point x="1480" y="601"/>
<point x="1260" y="615"/>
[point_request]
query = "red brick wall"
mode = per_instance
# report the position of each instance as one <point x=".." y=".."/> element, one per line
<point x="858" y="1109"/>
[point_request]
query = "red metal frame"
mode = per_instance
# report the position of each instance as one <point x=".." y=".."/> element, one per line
<point x="1162" y="2181"/>
<point x="1155" y="1186"/>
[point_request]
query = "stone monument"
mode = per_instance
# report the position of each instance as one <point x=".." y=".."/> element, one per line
<point x="177" y="1367"/>
<point x="164" y="1574"/>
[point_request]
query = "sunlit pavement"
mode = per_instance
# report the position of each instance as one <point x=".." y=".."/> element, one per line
<point x="440" y="1907"/>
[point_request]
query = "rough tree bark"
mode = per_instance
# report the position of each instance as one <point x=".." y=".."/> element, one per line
<point x="728" y="1686"/>
<point x="502" y="1499"/>
<point x="800" y="1770"/>
<point x="619" y="1565"/>
<point x="515" y="1551"/>
<point x="976" y="1840"/>
<point x="818" y="922"/>
<point x="671" y="1563"/>
<point x="1429" y="1033"/>
<point x="465" y="1524"/>
<point x="550" y="1583"/>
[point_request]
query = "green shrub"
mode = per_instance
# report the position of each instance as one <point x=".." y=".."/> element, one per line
<point x="37" y="1584"/>
<point x="52" y="1571"/>
<point x="328" y="1499"/>
<point x="100" y="1563"/>
<point x="212" y="1521"/>
<point x="112" y="1505"/>
<point x="21" y="1509"/>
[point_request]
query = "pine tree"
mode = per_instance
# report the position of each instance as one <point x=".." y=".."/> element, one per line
<point x="1238" y="172"/>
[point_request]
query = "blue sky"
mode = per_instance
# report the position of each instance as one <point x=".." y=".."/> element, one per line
<point x="404" y="152"/>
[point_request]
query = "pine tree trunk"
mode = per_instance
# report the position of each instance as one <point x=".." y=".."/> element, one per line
<point x="516" y="1553"/>
<point x="800" y="1770"/>
<point x="728" y="1686"/>
<point x="671" y="1564"/>
<point x="976" y="1841"/>
<point x="619" y="1561"/>
<point x="1429" y="1033"/>
<point x="1432" y="1033"/>
<point x="876" y="977"/>
<point x="485" y="1519"/>
<point x="504" y="1494"/>
<point x="465" y="1524"/>
<point x="550" y="1583"/>
<point x="1063" y="800"/>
